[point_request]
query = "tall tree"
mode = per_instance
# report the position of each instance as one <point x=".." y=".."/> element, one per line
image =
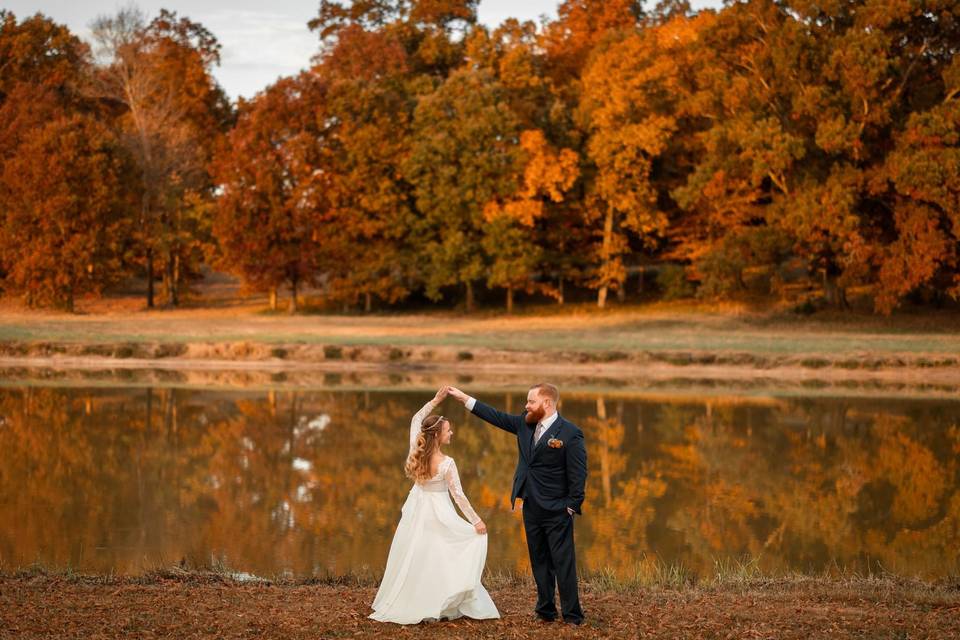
<point x="63" y="175"/>
<point x="272" y="213"/>
<point x="173" y="113"/>
<point x="63" y="212"/>
<point x="528" y="245"/>
<point x="370" y="104"/>
<point x="464" y="155"/>
<point x="632" y="92"/>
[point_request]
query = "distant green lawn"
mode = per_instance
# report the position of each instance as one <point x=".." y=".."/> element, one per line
<point x="631" y="333"/>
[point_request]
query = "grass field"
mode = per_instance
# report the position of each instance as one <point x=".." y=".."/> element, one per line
<point x="653" y="327"/>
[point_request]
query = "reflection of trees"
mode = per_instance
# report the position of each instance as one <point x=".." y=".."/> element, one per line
<point x="621" y="504"/>
<point x="838" y="487"/>
<point x="312" y="481"/>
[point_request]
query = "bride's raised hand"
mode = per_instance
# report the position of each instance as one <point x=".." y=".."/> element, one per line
<point x="441" y="393"/>
<point x="481" y="528"/>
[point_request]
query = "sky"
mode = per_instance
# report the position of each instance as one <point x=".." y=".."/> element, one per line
<point x="260" y="40"/>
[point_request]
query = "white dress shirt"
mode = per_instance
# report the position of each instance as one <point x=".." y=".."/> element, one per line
<point x="543" y="426"/>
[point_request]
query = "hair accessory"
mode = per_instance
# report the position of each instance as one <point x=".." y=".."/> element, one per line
<point x="439" y="420"/>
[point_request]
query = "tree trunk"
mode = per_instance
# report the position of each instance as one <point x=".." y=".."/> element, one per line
<point x="293" y="297"/>
<point x="150" y="278"/>
<point x="836" y="296"/>
<point x="605" y="250"/>
<point x="560" y="290"/>
<point x="469" y="300"/>
<point x="273" y="299"/>
<point x="173" y="276"/>
<point x="69" y="299"/>
<point x="168" y="283"/>
<point x="367" y="302"/>
<point x="509" y="299"/>
<point x="640" y="283"/>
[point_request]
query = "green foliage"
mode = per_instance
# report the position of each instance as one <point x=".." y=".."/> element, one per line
<point x="673" y="282"/>
<point x="464" y="154"/>
<point x="722" y="268"/>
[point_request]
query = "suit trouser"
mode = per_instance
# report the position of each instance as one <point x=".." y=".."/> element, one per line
<point x="553" y="560"/>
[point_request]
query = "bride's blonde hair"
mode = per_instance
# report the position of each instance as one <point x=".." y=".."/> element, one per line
<point x="417" y="466"/>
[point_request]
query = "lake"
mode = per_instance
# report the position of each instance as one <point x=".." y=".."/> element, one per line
<point x="309" y="482"/>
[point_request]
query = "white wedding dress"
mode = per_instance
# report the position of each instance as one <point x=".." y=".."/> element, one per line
<point x="436" y="558"/>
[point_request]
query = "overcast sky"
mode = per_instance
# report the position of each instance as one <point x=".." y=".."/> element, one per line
<point x="261" y="40"/>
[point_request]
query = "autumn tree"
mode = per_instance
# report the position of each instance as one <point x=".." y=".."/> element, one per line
<point x="270" y="219"/>
<point x="431" y="31"/>
<point x="516" y="248"/>
<point x="803" y="103"/>
<point x="580" y="26"/>
<point x="527" y="244"/>
<point x="38" y="51"/>
<point x="63" y="199"/>
<point x="632" y="92"/>
<point x="173" y="112"/>
<point x="64" y="212"/>
<point x="370" y="108"/>
<point x="464" y="155"/>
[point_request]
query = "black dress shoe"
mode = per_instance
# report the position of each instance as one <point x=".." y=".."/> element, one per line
<point x="573" y="623"/>
<point x="544" y="619"/>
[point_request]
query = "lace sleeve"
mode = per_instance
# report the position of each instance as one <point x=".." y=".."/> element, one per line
<point x="417" y="419"/>
<point x="453" y="484"/>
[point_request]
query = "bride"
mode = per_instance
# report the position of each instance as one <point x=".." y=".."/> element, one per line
<point x="436" y="558"/>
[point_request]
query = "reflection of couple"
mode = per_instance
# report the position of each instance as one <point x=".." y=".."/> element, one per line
<point x="436" y="559"/>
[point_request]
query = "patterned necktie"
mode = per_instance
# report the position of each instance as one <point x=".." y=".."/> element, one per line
<point x="538" y="434"/>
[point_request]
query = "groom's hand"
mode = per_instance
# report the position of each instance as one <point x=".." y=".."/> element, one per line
<point x="456" y="393"/>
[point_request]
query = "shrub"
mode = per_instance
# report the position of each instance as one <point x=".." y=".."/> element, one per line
<point x="672" y="280"/>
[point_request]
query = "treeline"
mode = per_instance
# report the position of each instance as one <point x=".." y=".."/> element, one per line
<point x="425" y="155"/>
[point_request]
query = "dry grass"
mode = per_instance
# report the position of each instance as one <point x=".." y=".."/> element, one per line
<point x="909" y="353"/>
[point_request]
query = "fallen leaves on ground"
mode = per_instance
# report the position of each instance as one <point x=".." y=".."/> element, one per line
<point x="170" y="606"/>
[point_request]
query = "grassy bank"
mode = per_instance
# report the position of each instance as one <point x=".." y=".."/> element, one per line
<point x="658" y="327"/>
<point x="658" y="602"/>
<point x="659" y="341"/>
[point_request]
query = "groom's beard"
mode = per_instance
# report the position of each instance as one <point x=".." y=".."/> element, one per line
<point x="535" y="416"/>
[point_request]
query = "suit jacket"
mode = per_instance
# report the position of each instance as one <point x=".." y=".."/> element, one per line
<point x="553" y="477"/>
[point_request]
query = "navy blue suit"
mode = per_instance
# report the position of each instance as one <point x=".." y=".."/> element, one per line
<point x="548" y="480"/>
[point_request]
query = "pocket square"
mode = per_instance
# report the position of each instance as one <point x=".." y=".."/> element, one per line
<point x="553" y="443"/>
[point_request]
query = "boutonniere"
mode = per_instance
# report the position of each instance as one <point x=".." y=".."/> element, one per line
<point x="553" y="443"/>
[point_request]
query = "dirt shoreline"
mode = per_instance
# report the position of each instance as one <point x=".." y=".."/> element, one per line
<point x="166" y="605"/>
<point x="247" y="363"/>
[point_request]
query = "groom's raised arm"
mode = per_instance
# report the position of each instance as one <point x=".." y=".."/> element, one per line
<point x="506" y="421"/>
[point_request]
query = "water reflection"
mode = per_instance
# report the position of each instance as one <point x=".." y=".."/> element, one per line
<point x="311" y="482"/>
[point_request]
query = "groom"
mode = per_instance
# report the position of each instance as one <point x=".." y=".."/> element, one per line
<point x="550" y="477"/>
